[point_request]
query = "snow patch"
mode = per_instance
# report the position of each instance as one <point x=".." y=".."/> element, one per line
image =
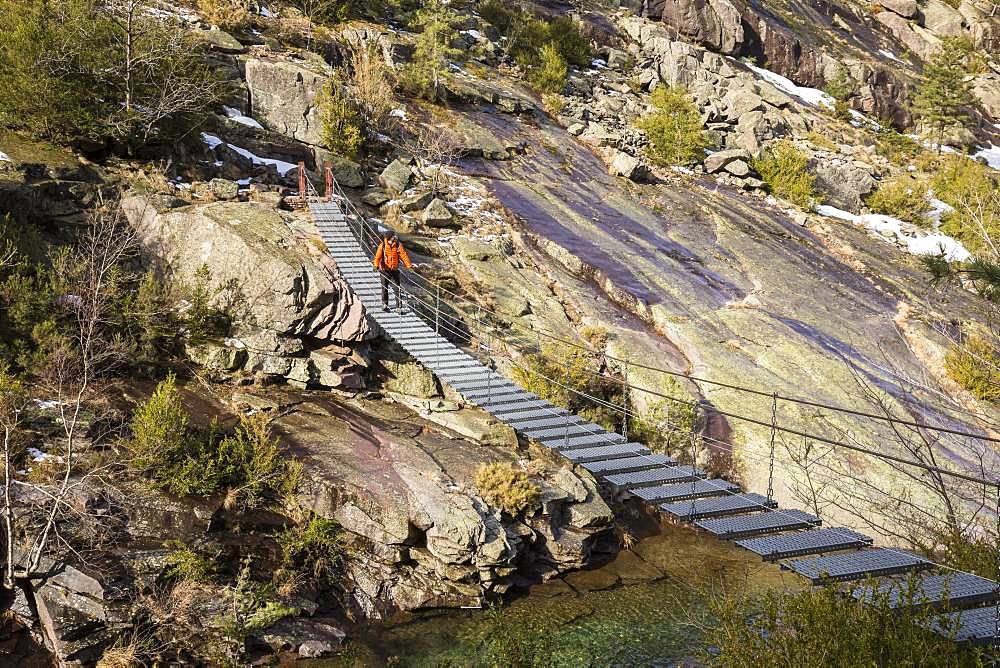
<point x="37" y="455"/>
<point x="398" y="113"/>
<point x="890" y="55"/>
<point x="916" y="241"/>
<point x="267" y="13"/>
<point x="214" y="142"/>
<point x="4" y="157"/>
<point x="235" y="343"/>
<point x="991" y="155"/>
<point x="235" y="115"/>
<point x="474" y="34"/>
<point x="813" y="96"/>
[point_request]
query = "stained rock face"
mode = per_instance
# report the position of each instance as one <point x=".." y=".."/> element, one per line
<point x="430" y="540"/>
<point x="283" y="95"/>
<point x="277" y="284"/>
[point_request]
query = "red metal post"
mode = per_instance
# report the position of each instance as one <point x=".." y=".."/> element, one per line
<point x="328" y="173"/>
<point x="302" y="180"/>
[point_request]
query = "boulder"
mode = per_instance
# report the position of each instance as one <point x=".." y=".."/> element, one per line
<point x="375" y="197"/>
<point x="415" y="201"/>
<point x="224" y="189"/>
<point x="217" y="355"/>
<point x="905" y="8"/>
<point x="627" y="166"/>
<point x="844" y="183"/>
<point x="310" y="638"/>
<point x="718" y="160"/>
<point x="987" y="89"/>
<point x="273" y="280"/>
<point x="409" y="378"/>
<point x="346" y="172"/>
<point x="715" y="24"/>
<point x="437" y="214"/>
<point x="283" y="95"/>
<point x="396" y="176"/>
<point x="738" y="167"/>
<point x="941" y="19"/>
<point x="219" y="40"/>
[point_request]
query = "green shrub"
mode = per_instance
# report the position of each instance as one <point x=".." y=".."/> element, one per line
<point x="159" y="427"/>
<point x="973" y="191"/>
<point x="904" y="198"/>
<point x="506" y="487"/>
<point x="784" y="169"/>
<point x="438" y="23"/>
<point x="975" y="366"/>
<point x="186" y="564"/>
<point x="187" y="462"/>
<point x="674" y="128"/>
<point x="823" y="627"/>
<point x="342" y="124"/>
<point x="549" y="76"/>
<point x="895" y="146"/>
<point x="315" y="548"/>
<point x="569" y="41"/>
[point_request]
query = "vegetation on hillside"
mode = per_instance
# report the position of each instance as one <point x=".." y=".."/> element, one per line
<point x="101" y="74"/>
<point x="945" y="95"/>
<point x="904" y="198"/>
<point x="438" y="23"/>
<point x="674" y="128"/>
<point x="823" y="627"/>
<point x="785" y="170"/>
<point x="504" y="486"/>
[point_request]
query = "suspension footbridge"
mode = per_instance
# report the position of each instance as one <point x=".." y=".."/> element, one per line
<point x="792" y="538"/>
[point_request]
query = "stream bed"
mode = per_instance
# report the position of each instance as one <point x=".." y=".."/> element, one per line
<point x="648" y="607"/>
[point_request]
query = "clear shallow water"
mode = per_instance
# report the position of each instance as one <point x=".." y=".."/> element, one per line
<point x="613" y="616"/>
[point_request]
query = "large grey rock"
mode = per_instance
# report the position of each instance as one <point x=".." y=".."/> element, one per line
<point x="410" y="378"/>
<point x="224" y="189"/>
<point x="397" y="175"/>
<point x="346" y="172"/>
<point x="905" y="8"/>
<point x="942" y="19"/>
<point x="627" y="166"/>
<point x="217" y="355"/>
<point x="274" y="280"/>
<point x="716" y="161"/>
<point x="717" y="24"/>
<point x="987" y="89"/>
<point x="844" y="183"/>
<point x="283" y="95"/>
<point x="923" y="43"/>
<point x="437" y="214"/>
<point x="415" y="201"/>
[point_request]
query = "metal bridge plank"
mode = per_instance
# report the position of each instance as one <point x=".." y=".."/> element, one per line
<point x="679" y="491"/>
<point x="652" y="478"/>
<point x="544" y="422"/>
<point x="585" y="455"/>
<point x="628" y="464"/>
<point x="742" y="526"/>
<point x="952" y="590"/>
<point x="813" y="541"/>
<point x="717" y="506"/>
<point x="565" y="445"/>
<point x="976" y="627"/>
<point x="583" y="428"/>
<point x="533" y="409"/>
<point x="856" y="565"/>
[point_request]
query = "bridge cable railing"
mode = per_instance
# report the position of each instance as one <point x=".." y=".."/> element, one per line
<point x="434" y="289"/>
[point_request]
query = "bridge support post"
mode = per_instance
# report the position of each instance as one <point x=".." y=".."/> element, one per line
<point x="302" y="181"/>
<point x="328" y="176"/>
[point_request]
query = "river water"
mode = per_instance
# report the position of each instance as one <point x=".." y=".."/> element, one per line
<point x="649" y="607"/>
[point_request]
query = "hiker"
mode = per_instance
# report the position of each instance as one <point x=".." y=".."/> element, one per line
<point x="387" y="258"/>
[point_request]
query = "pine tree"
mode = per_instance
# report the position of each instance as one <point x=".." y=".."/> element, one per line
<point x="944" y="94"/>
<point x="674" y="128"/>
<point x="549" y="76"/>
<point x="439" y="28"/>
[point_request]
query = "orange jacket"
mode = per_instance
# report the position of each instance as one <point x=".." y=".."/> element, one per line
<point x="389" y="254"/>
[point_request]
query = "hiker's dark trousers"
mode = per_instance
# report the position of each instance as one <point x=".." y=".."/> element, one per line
<point x="389" y="276"/>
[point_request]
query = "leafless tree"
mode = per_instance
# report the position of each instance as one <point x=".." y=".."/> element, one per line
<point x="74" y="376"/>
<point x="917" y="506"/>
<point x="434" y="149"/>
<point x="159" y="77"/>
<point x="374" y="83"/>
